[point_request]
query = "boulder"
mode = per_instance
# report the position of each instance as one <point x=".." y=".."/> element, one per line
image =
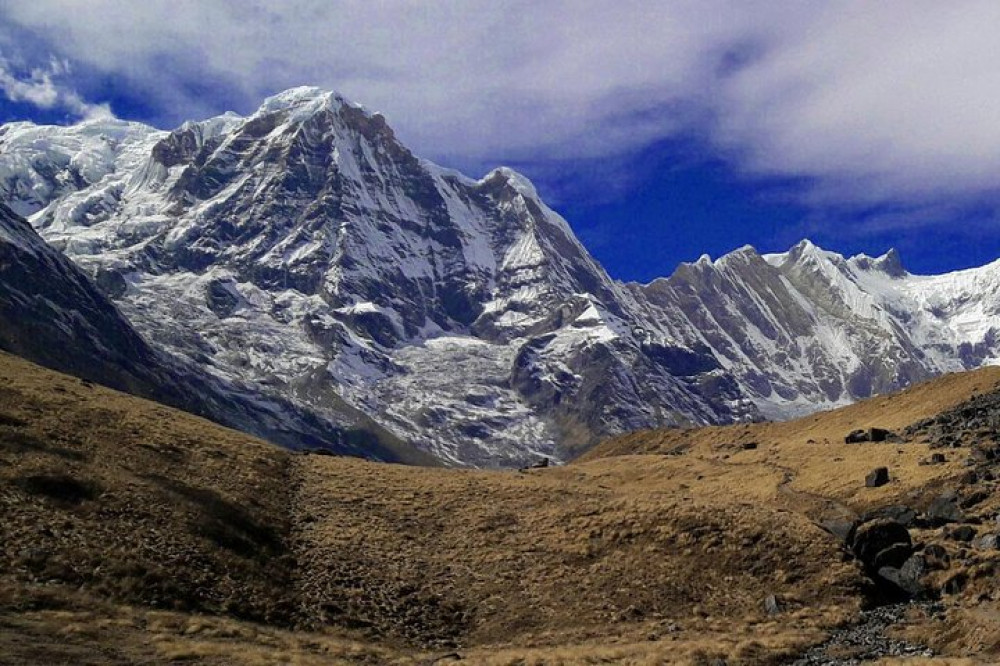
<point x="955" y="584"/>
<point x="771" y="605"/>
<point x="944" y="509"/>
<point x="901" y="513"/>
<point x="907" y="577"/>
<point x="969" y="478"/>
<point x="974" y="498"/>
<point x="855" y="437"/>
<point x="869" y="435"/>
<point x="840" y="527"/>
<point x="877" y="477"/>
<point x="880" y="543"/>
<point x="936" y="557"/>
<point x="879" y="435"/>
<point x="988" y="542"/>
<point x="963" y="533"/>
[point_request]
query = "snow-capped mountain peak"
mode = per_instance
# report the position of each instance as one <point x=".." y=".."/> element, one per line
<point x="305" y="251"/>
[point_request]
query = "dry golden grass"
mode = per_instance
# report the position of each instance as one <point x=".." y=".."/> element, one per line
<point x="137" y="534"/>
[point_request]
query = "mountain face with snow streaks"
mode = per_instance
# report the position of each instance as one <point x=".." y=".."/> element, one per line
<point x="55" y="315"/>
<point x="304" y="252"/>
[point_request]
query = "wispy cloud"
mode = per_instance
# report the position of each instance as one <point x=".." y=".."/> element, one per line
<point x="39" y="88"/>
<point x="868" y="102"/>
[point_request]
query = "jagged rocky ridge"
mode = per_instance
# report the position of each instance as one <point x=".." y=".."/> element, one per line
<point x="53" y="314"/>
<point x="306" y="252"/>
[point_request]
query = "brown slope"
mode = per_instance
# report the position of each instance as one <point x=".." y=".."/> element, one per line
<point x="151" y="533"/>
<point x="134" y="533"/>
<point x="813" y="448"/>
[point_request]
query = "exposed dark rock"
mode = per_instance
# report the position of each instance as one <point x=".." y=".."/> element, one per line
<point x="944" y="509"/>
<point x="969" y="478"/>
<point x="749" y="446"/>
<point x="869" y="435"/>
<point x="877" y="477"/>
<point x="956" y="583"/>
<point x="936" y="557"/>
<point x="900" y="513"/>
<point x="974" y="498"/>
<point x="893" y="556"/>
<point x="963" y="533"/>
<point x="907" y="577"/>
<point x="840" y="527"/>
<point x="855" y="437"/>
<point x="880" y="543"/>
<point x="111" y="283"/>
<point x="222" y="298"/>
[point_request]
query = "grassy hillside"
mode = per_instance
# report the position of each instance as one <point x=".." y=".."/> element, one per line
<point x="134" y="533"/>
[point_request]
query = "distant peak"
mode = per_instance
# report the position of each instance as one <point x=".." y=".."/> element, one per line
<point x="308" y="100"/>
<point x="806" y="250"/>
<point x="518" y="181"/>
<point x="804" y="246"/>
<point x="298" y="96"/>
<point x="889" y="263"/>
<point x="743" y="251"/>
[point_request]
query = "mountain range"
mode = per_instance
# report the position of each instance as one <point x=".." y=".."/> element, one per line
<point x="300" y="274"/>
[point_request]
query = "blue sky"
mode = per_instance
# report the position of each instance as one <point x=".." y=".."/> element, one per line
<point x="661" y="134"/>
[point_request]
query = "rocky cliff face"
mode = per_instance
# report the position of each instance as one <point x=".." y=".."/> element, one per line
<point x="808" y="328"/>
<point x="54" y="314"/>
<point x="306" y="253"/>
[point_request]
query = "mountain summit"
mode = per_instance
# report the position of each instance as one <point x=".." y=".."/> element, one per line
<point x="304" y="251"/>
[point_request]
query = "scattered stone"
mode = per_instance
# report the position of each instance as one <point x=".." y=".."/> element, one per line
<point x="749" y="446"/>
<point x="969" y="478"/>
<point x="771" y="605"/>
<point x="943" y="510"/>
<point x="866" y="641"/>
<point x="937" y="459"/>
<point x="901" y="513"/>
<point x="974" y="498"/>
<point x="907" y="577"/>
<point x="877" y="477"/>
<point x="538" y="464"/>
<point x="936" y="557"/>
<point x="870" y="435"/>
<point x="963" y="533"/>
<point x="840" y="527"/>
<point x="988" y="542"/>
<point x="955" y="584"/>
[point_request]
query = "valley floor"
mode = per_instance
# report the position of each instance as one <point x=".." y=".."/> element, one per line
<point x="135" y="534"/>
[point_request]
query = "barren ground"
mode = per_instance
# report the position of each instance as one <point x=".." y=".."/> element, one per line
<point x="135" y="534"/>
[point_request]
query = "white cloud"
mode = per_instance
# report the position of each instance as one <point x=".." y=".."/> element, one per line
<point x="39" y="88"/>
<point x="875" y="101"/>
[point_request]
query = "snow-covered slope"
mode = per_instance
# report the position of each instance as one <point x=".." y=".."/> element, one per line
<point x="808" y="329"/>
<point x="303" y="251"/>
<point x="52" y="314"/>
